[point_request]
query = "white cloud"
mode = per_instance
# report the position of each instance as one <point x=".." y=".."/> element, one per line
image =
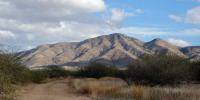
<point x="178" y="42"/>
<point x="192" y="16"/>
<point x="33" y="11"/>
<point x="7" y="34"/>
<point x="27" y="47"/>
<point x="176" y="18"/>
<point x="31" y="37"/>
<point x="36" y="22"/>
<point x="63" y="7"/>
<point x="43" y="34"/>
<point x="117" y="14"/>
<point x="138" y="11"/>
<point x="71" y="31"/>
<point x="190" y="32"/>
<point x="186" y="32"/>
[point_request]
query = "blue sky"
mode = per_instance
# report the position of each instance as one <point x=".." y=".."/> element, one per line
<point x="30" y="23"/>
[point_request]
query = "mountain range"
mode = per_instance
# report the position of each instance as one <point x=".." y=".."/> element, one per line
<point x="117" y="49"/>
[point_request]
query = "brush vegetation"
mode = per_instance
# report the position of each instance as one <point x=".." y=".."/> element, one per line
<point x="14" y="73"/>
<point x="153" y="77"/>
<point x="161" y="70"/>
<point x="110" y="88"/>
<point x="97" y="70"/>
<point x="99" y="82"/>
<point x="151" y="70"/>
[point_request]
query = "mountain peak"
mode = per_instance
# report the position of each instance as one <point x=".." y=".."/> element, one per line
<point x="120" y="36"/>
<point x="117" y="34"/>
<point x="157" y="40"/>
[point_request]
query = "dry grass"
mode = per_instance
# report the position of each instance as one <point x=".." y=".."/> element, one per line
<point x="109" y="88"/>
<point x="136" y="92"/>
<point x="75" y="83"/>
<point x="110" y="79"/>
<point x="94" y="89"/>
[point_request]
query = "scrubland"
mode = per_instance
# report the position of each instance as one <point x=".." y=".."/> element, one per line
<point x="110" y="88"/>
<point x="153" y="77"/>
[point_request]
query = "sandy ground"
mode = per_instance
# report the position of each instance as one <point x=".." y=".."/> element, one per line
<point x="56" y="90"/>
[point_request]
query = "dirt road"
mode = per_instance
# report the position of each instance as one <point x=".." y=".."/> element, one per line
<point x="56" y="90"/>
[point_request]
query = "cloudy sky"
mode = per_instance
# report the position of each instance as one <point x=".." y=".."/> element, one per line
<point x="29" y="23"/>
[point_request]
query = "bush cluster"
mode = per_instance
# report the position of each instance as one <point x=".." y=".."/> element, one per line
<point x="97" y="70"/>
<point x="11" y="67"/>
<point x="54" y="71"/>
<point x="38" y="76"/>
<point x="160" y="69"/>
<point x="51" y="71"/>
<point x="13" y="72"/>
<point x="196" y="69"/>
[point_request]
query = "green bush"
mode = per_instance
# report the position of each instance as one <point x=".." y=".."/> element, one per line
<point x="11" y="66"/>
<point x="39" y="76"/>
<point x="12" y="72"/>
<point x="5" y="84"/>
<point x="52" y="71"/>
<point x="160" y="70"/>
<point x="196" y="69"/>
<point x="55" y="72"/>
<point x="97" y="70"/>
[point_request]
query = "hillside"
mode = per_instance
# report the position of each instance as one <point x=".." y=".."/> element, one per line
<point x="111" y="49"/>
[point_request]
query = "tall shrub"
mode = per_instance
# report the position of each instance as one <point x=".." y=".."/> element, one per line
<point x="10" y="65"/>
<point x="196" y="69"/>
<point x="12" y="72"/>
<point x="97" y="70"/>
<point x="159" y="69"/>
<point x="55" y="71"/>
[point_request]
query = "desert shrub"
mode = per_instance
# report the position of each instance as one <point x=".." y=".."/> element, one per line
<point x="5" y="84"/>
<point x="12" y="72"/>
<point x="97" y="70"/>
<point x="39" y="76"/>
<point x="120" y="73"/>
<point x="55" y="72"/>
<point x="159" y="70"/>
<point x="52" y="71"/>
<point x="11" y="65"/>
<point x="196" y="69"/>
<point x="20" y="75"/>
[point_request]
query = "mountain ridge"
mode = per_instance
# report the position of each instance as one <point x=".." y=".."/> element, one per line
<point x="117" y="49"/>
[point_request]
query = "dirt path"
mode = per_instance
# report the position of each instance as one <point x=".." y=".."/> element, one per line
<point x="56" y="90"/>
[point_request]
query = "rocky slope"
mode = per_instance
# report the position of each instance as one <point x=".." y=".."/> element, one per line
<point x="111" y="49"/>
